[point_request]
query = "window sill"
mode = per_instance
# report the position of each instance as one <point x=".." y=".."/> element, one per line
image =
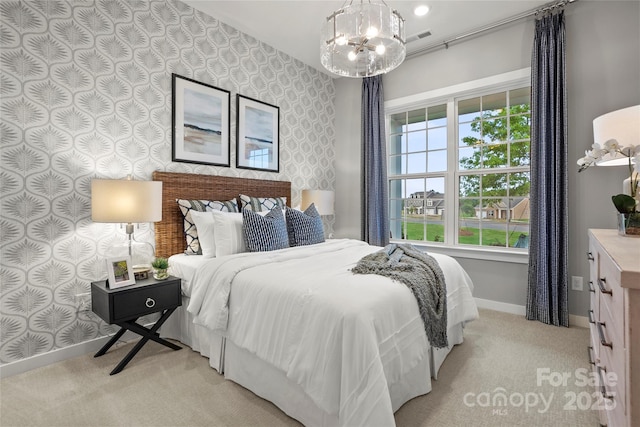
<point x="513" y="256"/>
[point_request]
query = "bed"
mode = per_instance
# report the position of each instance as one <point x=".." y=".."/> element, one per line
<point x="326" y="346"/>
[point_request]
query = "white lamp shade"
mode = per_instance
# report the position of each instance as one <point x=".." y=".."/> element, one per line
<point x="623" y="126"/>
<point x="322" y="199"/>
<point x="126" y="201"/>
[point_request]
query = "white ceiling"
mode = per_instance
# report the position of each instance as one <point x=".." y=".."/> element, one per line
<point x="293" y="26"/>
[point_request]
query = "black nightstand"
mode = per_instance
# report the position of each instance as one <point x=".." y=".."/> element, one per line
<point x="123" y="306"/>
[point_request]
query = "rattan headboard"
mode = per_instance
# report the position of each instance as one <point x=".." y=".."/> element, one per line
<point x="170" y="231"/>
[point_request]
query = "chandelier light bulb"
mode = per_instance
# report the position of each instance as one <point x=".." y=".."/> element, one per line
<point x="352" y="56"/>
<point x="380" y="49"/>
<point x="372" y="32"/>
<point x="341" y="41"/>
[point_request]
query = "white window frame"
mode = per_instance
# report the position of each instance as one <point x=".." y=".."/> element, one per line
<point x="497" y="83"/>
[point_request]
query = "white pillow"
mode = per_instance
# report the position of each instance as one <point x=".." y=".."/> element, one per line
<point x="228" y="233"/>
<point x="206" y="232"/>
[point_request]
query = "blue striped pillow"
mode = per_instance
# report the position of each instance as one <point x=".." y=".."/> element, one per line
<point x="304" y="228"/>
<point x="265" y="233"/>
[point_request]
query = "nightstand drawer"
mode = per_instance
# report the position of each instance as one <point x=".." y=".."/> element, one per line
<point x="145" y="297"/>
<point x="145" y="301"/>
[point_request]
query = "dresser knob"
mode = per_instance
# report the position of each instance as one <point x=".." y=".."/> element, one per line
<point x="150" y="302"/>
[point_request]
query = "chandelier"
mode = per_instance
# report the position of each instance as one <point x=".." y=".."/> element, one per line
<point x="363" y="40"/>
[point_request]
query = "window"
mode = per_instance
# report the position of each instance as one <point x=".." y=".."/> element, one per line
<point x="259" y="158"/>
<point x="459" y="168"/>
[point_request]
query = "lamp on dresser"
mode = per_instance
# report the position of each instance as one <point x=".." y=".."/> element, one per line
<point x="622" y="126"/>
<point x="128" y="201"/>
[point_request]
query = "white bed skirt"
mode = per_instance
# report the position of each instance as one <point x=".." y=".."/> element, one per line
<point x="454" y="337"/>
<point x="272" y="384"/>
<point x="180" y="326"/>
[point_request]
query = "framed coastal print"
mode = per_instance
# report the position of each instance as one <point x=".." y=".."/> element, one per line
<point x="120" y="272"/>
<point x="257" y="135"/>
<point x="200" y="122"/>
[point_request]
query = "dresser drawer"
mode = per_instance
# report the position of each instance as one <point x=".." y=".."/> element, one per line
<point x="593" y="256"/>
<point x="594" y="300"/>
<point x="611" y="359"/>
<point x="611" y="294"/>
<point x="595" y="343"/>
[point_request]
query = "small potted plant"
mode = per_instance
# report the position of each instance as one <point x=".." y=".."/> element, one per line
<point x="160" y="266"/>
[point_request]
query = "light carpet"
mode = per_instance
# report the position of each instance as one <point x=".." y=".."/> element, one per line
<point x="502" y="355"/>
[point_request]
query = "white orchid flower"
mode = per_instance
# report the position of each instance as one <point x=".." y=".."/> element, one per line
<point x="627" y="151"/>
<point x="636" y="159"/>
<point x="612" y="146"/>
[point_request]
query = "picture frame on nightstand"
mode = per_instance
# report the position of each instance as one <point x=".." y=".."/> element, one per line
<point x="120" y="272"/>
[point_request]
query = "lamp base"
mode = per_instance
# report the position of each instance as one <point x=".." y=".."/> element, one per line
<point x="141" y="253"/>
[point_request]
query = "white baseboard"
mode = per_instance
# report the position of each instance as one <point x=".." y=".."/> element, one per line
<point x="92" y="346"/>
<point x="580" y="321"/>
<point x="60" y="354"/>
<point x="501" y="306"/>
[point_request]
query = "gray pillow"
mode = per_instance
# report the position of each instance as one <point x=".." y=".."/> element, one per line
<point x="304" y="228"/>
<point x="265" y="233"/>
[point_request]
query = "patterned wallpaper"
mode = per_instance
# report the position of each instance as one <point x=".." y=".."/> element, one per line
<point x="85" y="90"/>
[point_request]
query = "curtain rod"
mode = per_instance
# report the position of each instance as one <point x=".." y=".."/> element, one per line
<point x="445" y="43"/>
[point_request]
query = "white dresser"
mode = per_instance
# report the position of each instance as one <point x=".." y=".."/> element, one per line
<point x="614" y="319"/>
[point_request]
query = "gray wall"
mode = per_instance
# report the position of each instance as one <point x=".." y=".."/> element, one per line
<point x="58" y="131"/>
<point x="603" y="74"/>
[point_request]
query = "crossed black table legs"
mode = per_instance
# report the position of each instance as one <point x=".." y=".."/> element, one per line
<point x="146" y="333"/>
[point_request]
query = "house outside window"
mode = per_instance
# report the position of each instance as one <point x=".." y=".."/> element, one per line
<point x="459" y="170"/>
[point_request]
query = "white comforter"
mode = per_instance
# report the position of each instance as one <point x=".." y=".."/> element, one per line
<point x="342" y="337"/>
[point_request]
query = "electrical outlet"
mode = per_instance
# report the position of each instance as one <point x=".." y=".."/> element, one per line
<point x="576" y="283"/>
<point x="83" y="302"/>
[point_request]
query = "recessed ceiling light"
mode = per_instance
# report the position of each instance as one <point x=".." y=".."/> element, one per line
<point x="421" y="10"/>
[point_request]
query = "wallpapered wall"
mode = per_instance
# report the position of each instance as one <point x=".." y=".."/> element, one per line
<point x="86" y="92"/>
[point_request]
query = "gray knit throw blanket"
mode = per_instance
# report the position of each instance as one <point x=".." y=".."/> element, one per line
<point x="422" y="274"/>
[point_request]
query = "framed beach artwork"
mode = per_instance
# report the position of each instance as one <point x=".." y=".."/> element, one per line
<point x="120" y="272"/>
<point x="200" y="122"/>
<point x="257" y="135"/>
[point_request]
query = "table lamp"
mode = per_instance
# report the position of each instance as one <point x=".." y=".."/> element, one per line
<point x="624" y="126"/>
<point x="322" y="199"/>
<point x="128" y="201"/>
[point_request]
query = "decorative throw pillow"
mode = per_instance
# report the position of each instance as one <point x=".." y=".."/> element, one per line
<point x="265" y="233"/>
<point x="259" y="204"/>
<point x="190" y="229"/>
<point x="304" y="228"/>
<point x="228" y="233"/>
